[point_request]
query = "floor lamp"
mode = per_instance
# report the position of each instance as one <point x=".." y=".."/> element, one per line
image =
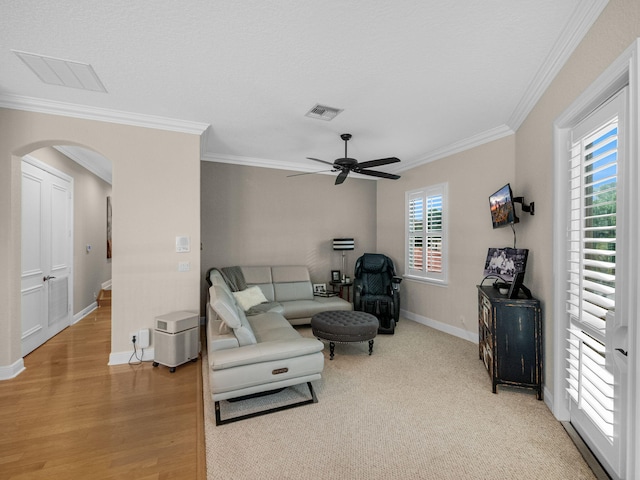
<point x="343" y="244"/>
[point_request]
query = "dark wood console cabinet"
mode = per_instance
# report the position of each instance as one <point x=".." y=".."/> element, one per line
<point x="510" y="339"/>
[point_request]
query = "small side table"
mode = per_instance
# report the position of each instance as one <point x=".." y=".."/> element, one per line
<point x="343" y="286"/>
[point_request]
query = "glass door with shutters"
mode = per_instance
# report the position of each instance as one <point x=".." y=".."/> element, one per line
<point x="596" y="335"/>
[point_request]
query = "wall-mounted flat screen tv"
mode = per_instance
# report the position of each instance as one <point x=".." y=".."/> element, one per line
<point x="505" y="263"/>
<point x="502" y="209"/>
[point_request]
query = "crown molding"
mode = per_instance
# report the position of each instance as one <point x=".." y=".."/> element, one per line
<point x="456" y="147"/>
<point x="462" y="145"/>
<point x="278" y="165"/>
<point x="247" y="161"/>
<point x="257" y="162"/>
<point x="583" y="18"/>
<point x="29" y="104"/>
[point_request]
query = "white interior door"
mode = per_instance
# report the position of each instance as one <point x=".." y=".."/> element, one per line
<point x="47" y="246"/>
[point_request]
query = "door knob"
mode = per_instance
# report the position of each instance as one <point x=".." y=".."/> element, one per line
<point x="48" y="277"/>
<point x="624" y="352"/>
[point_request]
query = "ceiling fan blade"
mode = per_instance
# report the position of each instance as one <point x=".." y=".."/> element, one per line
<point x="318" y="160"/>
<point x="308" y="173"/>
<point x="342" y="177"/>
<point x="375" y="173"/>
<point x="379" y="162"/>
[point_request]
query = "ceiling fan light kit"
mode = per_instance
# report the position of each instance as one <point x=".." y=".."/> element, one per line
<point x="345" y="165"/>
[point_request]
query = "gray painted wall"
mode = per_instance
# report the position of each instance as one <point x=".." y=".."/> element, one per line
<point x="258" y="216"/>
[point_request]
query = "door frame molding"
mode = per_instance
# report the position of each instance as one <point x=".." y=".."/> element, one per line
<point x="47" y="168"/>
<point x="625" y="70"/>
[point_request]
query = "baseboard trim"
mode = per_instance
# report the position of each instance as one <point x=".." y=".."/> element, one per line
<point x="83" y="313"/>
<point x="465" y="335"/>
<point x="121" y="358"/>
<point x="8" y="372"/>
<point x="443" y="327"/>
<point x="548" y="398"/>
<point x="595" y="466"/>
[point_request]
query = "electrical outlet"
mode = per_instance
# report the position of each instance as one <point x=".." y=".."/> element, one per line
<point x="133" y="336"/>
<point x="143" y="338"/>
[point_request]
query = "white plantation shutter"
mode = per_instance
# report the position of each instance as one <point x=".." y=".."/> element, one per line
<point x="434" y="233"/>
<point x="591" y="286"/>
<point x="415" y="247"/>
<point x="426" y="233"/>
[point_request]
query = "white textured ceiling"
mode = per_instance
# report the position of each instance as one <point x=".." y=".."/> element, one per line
<point x="416" y="78"/>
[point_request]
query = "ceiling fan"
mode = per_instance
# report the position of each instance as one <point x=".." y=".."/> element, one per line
<point x="345" y="165"/>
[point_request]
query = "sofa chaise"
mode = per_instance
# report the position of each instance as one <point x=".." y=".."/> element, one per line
<point x="250" y="354"/>
<point x="289" y="289"/>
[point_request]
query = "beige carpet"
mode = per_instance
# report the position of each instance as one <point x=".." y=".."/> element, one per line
<point x="420" y="407"/>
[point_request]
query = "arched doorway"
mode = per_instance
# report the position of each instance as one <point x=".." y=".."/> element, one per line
<point x="157" y="187"/>
<point x="65" y="191"/>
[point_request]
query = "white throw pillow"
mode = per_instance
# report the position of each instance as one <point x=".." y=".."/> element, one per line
<point x="249" y="297"/>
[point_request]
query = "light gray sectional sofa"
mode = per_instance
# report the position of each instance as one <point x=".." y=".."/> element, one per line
<point x="256" y="353"/>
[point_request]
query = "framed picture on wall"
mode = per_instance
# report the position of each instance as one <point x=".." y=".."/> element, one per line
<point x="108" y="227"/>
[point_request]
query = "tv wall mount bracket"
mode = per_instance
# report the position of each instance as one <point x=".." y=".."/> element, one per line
<point x="525" y="208"/>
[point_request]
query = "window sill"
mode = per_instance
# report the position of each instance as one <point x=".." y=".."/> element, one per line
<point x="429" y="281"/>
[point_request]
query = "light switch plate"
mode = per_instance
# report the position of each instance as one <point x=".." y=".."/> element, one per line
<point x="183" y="244"/>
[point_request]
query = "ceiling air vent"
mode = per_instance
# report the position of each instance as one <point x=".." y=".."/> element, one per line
<point x="322" y="112"/>
<point x="64" y="73"/>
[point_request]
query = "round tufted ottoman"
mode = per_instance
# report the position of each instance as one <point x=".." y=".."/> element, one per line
<point x="344" y="327"/>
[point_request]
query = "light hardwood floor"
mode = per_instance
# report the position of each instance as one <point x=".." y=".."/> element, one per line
<point x="71" y="416"/>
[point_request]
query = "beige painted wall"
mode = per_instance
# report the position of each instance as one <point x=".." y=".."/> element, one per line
<point x="471" y="176"/>
<point x="526" y="159"/>
<point x="90" y="192"/>
<point x="617" y="27"/>
<point x="258" y="216"/>
<point x="156" y="178"/>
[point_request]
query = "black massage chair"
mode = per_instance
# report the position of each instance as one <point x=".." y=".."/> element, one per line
<point x="376" y="290"/>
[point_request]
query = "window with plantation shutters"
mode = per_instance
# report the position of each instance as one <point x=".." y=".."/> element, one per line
<point x="426" y="234"/>
<point x="591" y="269"/>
